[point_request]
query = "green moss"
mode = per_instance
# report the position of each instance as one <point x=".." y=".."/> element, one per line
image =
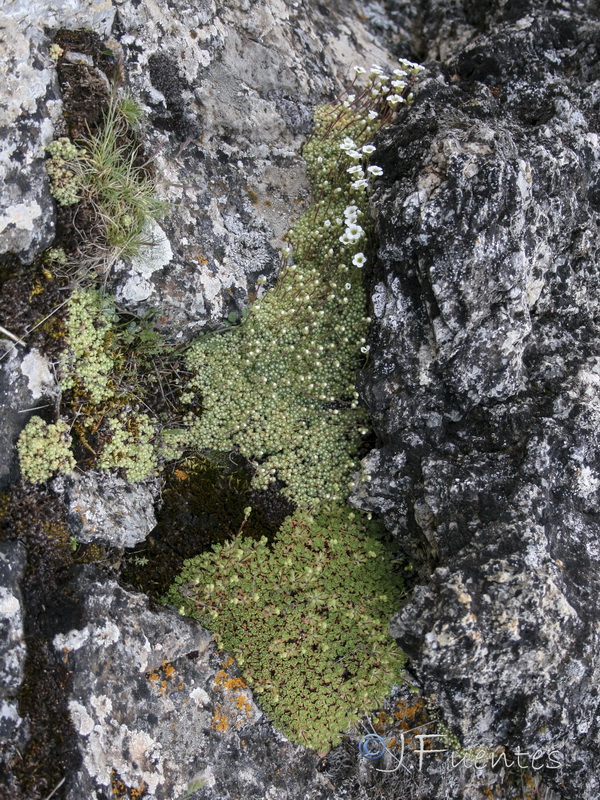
<point x="307" y="619"/>
<point x="201" y="505"/>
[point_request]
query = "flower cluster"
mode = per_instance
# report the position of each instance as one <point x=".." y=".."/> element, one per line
<point x="280" y="388"/>
<point x="306" y="618"/>
<point x="44" y="450"/>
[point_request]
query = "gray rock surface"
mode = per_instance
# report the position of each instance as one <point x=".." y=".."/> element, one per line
<point x="155" y="706"/>
<point x="484" y="377"/>
<point x="228" y="91"/>
<point x="483" y="381"/>
<point x="29" y="111"/>
<point x="12" y="646"/>
<point x="105" y="508"/>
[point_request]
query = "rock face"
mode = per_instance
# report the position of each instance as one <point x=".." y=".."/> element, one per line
<point x="30" y="109"/>
<point x="158" y="710"/>
<point x="12" y="648"/>
<point x="103" y="507"/>
<point x="484" y="380"/>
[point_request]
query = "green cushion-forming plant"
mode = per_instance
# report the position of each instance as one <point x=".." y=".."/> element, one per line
<point x="306" y="619"/>
<point x="280" y="387"/>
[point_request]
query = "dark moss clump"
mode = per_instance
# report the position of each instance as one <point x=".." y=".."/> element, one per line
<point x="203" y="505"/>
<point x="36" y="518"/>
<point x="32" y="297"/>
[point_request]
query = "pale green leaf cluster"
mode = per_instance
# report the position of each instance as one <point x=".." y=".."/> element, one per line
<point x="280" y="388"/>
<point x="93" y="368"/>
<point x="131" y="446"/>
<point x="88" y="362"/>
<point x="44" y="449"/>
<point x="306" y="618"/>
<point x="62" y="170"/>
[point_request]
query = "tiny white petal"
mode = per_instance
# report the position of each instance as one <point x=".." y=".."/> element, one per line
<point x="394" y="99"/>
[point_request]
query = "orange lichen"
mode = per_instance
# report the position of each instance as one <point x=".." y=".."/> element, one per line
<point x="164" y="673"/>
<point x="168" y="668"/>
<point x="219" y="720"/>
<point x="236" y="708"/>
<point x="124" y="792"/>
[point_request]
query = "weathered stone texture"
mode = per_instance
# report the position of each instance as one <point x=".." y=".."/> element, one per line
<point x="484" y="379"/>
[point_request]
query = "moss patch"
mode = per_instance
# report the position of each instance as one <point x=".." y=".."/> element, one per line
<point x="36" y="518"/>
<point x="203" y="505"/>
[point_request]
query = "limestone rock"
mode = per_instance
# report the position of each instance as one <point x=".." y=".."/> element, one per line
<point x="12" y="646"/>
<point x="105" y="508"/>
<point x="483" y="383"/>
<point x="154" y="705"/>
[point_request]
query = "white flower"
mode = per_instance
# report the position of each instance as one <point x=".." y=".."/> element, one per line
<point x="344" y="238"/>
<point x="399" y="85"/>
<point x="359" y="260"/>
<point x="375" y="170"/>
<point x="365" y="349"/>
<point x="368" y="149"/>
<point x="353" y="154"/>
<point x="327" y="223"/>
<point x="359" y="70"/>
<point x="375" y="70"/>
<point x="394" y="99"/>
<point x="347" y="144"/>
<point x="353" y="232"/>
<point x="372" y="115"/>
<point x="361" y="183"/>
<point x="355" y="170"/>
<point x="351" y="211"/>
<point x="351" y="98"/>
<point x="410" y="65"/>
